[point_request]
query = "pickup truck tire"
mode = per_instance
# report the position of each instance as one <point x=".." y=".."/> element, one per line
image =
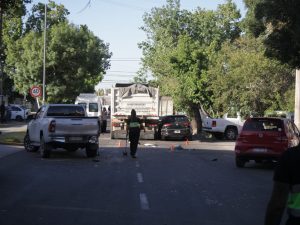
<point x="19" y="118"/>
<point x="28" y="144"/>
<point x="218" y="136"/>
<point x="231" y="133"/>
<point x="91" y="150"/>
<point x="45" y="149"/>
<point x="240" y="163"/>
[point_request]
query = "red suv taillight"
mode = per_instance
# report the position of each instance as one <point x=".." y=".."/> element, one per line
<point x="186" y="124"/>
<point x="167" y="125"/>
<point x="52" y="126"/>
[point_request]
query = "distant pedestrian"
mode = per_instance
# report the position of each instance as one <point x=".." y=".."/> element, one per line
<point x="286" y="189"/>
<point x="134" y="126"/>
<point x="104" y="120"/>
<point x="2" y="112"/>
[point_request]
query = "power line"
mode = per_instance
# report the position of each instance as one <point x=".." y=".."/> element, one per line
<point x="86" y="6"/>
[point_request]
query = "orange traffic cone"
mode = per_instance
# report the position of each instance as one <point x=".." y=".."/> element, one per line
<point x="187" y="141"/>
<point x="119" y="145"/>
<point x="172" y="148"/>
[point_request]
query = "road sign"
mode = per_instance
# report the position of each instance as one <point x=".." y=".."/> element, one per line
<point x="35" y="91"/>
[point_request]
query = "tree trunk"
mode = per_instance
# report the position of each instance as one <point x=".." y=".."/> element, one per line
<point x="196" y="121"/>
<point x="297" y="99"/>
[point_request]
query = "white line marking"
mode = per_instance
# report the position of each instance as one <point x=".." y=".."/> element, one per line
<point x="137" y="164"/>
<point x="140" y="178"/>
<point x="144" y="201"/>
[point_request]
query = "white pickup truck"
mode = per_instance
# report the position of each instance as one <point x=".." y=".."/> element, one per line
<point x="62" y="126"/>
<point x="225" y="127"/>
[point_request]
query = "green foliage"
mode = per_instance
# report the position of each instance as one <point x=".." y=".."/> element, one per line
<point x="180" y="46"/>
<point x="76" y="62"/>
<point x="281" y="29"/>
<point x="244" y="79"/>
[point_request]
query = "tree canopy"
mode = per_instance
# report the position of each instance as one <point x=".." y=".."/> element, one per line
<point x="242" y="78"/>
<point x="280" y="25"/>
<point x="180" y="46"/>
<point x="75" y="58"/>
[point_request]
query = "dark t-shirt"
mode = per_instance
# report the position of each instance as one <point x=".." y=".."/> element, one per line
<point x="288" y="167"/>
<point x="134" y="125"/>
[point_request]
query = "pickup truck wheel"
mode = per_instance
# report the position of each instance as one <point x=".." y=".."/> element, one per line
<point x="91" y="150"/>
<point x="240" y="163"/>
<point x="218" y="136"/>
<point x="44" y="148"/>
<point x="28" y="145"/>
<point x="71" y="149"/>
<point x="231" y="133"/>
<point x="19" y="118"/>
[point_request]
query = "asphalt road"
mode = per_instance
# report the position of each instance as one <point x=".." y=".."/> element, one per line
<point x="188" y="186"/>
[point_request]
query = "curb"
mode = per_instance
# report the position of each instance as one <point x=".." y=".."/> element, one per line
<point x="11" y="143"/>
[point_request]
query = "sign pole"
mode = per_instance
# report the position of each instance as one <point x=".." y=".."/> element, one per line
<point x="44" y="64"/>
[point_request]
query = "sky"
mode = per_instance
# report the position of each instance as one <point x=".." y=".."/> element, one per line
<point x="117" y="23"/>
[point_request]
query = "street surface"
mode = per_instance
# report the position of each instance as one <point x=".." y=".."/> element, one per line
<point x="193" y="183"/>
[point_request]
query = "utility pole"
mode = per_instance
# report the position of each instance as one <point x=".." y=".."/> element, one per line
<point x="44" y="61"/>
<point x="1" y="51"/>
<point x="297" y="99"/>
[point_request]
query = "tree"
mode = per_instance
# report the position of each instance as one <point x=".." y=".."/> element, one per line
<point x="180" y="46"/>
<point x="281" y="30"/>
<point x="76" y="62"/>
<point x="11" y="12"/>
<point x="243" y="78"/>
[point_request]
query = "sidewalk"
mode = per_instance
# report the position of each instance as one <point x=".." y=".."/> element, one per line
<point x="12" y="132"/>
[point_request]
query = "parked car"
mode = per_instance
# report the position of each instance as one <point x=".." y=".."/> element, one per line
<point x="175" y="127"/>
<point x="18" y="112"/>
<point x="265" y="138"/>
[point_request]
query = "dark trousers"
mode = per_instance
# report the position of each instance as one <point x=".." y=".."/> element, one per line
<point x="293" y="221"/>
<point x="134" y="140"/>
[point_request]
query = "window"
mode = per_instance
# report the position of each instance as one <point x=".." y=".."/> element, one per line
<point x="263" y="125"/>
<point x="82" y="104"/>
<point x="93" y="107"/>
<point x="66" y="111"/>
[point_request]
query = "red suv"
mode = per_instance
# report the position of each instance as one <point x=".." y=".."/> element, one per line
<point x="264" y="138"/>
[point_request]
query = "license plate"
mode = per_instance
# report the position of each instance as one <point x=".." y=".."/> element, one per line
<point x="260" y="150"/>
<point x="177" y="131"/>
<point x="75" y="138"/>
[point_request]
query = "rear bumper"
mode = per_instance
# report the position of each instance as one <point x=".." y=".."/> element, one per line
<point x="173" y="134"/>
<point x="259" y="154"/>
<point x="74" y="140"/>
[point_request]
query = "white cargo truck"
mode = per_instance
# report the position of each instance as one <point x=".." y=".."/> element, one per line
<point x="147" y="103"/>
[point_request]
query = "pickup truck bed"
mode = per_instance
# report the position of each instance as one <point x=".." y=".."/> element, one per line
<point x="71" y="131"/>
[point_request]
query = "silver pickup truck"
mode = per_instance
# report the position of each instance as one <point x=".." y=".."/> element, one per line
<point x="62" y="126"/>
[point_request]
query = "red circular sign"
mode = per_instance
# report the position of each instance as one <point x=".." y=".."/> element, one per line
<point x="35" y="91"/>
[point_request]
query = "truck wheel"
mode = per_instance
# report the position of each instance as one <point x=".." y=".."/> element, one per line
<point x="231" y="133"/>
<point x="91" y="150"/>
<point x="240" y="163"/>
<point x="19" y="118"/>
<point x="45" y="149"/>
<point x="28" y="145"/>
<point x="71" y="148"/>
<point x="218" y="136"/>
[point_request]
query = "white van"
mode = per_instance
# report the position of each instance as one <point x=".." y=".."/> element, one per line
<point x="91" y="103"/>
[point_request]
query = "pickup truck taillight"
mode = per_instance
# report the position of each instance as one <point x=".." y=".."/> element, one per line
<point x="52" y="126"/>
<point x="214" y="123"/>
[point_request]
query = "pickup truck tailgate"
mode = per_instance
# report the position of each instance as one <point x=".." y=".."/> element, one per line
<point x="77" y="126"/>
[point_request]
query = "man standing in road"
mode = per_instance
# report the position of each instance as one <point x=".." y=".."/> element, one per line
<point x="286" y="189"/>
<point x="2" y="111"/>
<point x="134" y="126"/>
